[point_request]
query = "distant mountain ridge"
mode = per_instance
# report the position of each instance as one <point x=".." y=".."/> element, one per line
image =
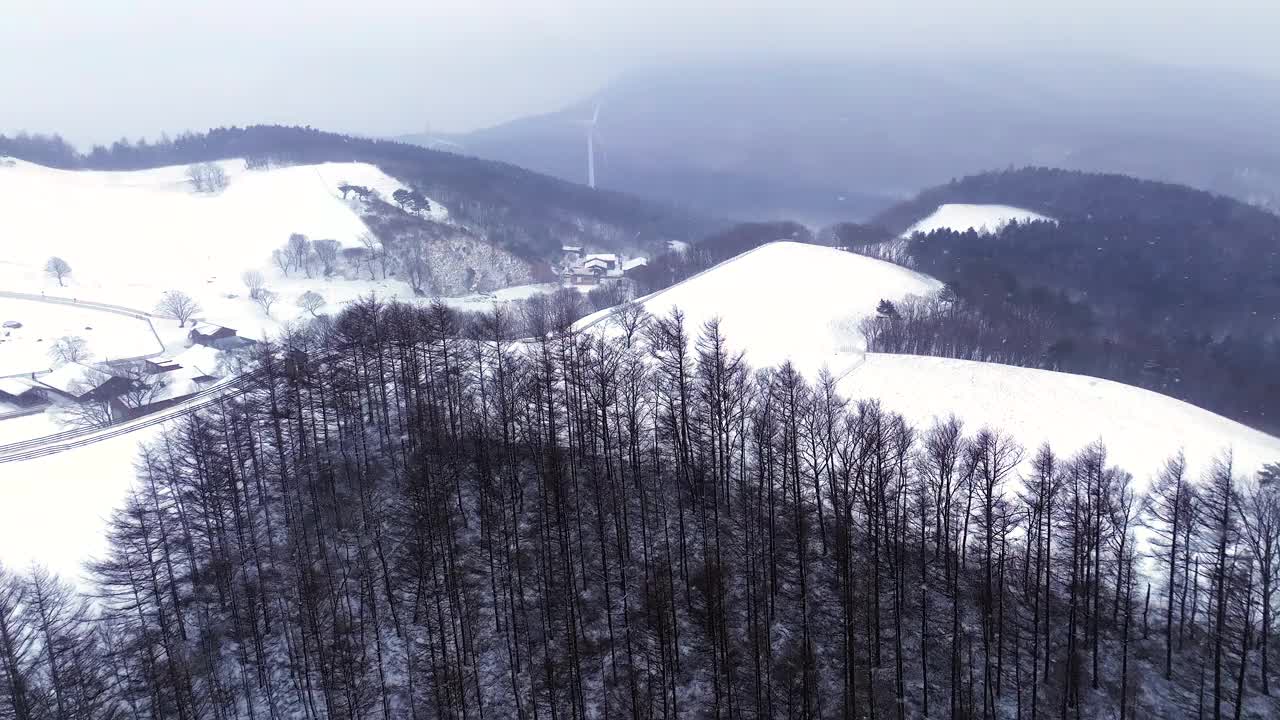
<point x="827" y="139"/>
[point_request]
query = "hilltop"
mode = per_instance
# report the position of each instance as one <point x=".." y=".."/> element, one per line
<point x="803" y="304"/>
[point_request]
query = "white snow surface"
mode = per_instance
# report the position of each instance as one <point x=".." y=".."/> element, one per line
<point x="134" y="227"/>
<point x="132" y="236"/>
<point x="980" y="218"/>
<point x="787" y="300"/>
<point x="1140" y="428"/>
<point x="54" y="509"/>
<point x="107" y="335"/>
<point x="790" y="301"/>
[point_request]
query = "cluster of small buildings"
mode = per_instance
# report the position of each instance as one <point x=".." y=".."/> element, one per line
<point x="129" y="388"/>
<point x="588" y="270"/>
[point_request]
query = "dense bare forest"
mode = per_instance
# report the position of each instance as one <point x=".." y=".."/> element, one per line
<point x="414" y="515"/>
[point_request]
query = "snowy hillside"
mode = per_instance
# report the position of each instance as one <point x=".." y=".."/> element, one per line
<point x="1140" y="428"/>
<point x="981" y="218"/>
<point x="135" y="228"/>
<point x="55" y="508"/>
<point x="131" y="236"/>
<point x="789" y="300"/>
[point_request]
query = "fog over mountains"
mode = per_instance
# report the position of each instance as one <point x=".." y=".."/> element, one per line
<point x="821" y="139"/>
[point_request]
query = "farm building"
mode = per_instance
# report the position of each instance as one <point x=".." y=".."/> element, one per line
<point x="84" y="383"/>
<point x="598" y="268"/>
<point x="22" y="392"/>
<point x="216" y="336"/>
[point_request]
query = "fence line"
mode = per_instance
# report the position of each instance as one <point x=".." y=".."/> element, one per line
<point x="24" y="412"/>
<point x="77" y="437"/>
<point x="142" y="315"/>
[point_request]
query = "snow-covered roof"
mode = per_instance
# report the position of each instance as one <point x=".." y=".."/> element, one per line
<point x="198" y="360"/>
<point x="69" y="375"/>
<point x="634" y="263"/>
<point x="207" y="328"/>
<point x="176" y="388"/>
<point x="15" y="386"/>
<point x="607" y="257"/>
<point x="199" y="364"/>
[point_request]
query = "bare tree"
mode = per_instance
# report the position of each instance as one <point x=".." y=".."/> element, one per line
<point x="327" y="253"/>
<point x="207" y="177"/>
<point x="413" y="261"/>
<point x="1169" y="511"/>
<point x="16" y="645"/>
<point x="632" y="319"/>
<point x="265" y="299"/>
<point x="58" y="616"/>
<point x="373" y="252"/>
<point x="298" y="250"/>
<point x="1260" y="514"/>
<point x="69" y="349"/>
<point x="281" y="258"/>
<point x="311" y="301"/>
<point x="253" y="280"/>
<point x="58" y="268"/>
<point x="177" y="305"/>
<point x="92" y="409"/>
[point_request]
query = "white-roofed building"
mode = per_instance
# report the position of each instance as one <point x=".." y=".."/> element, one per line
<point x="22" y="392"/>
<point x="596" y="268"/>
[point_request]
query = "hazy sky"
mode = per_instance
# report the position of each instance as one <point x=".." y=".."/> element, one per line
<point x="95" y="70"/>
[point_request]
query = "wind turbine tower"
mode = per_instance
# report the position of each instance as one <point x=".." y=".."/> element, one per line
<point x="591" y="148"/>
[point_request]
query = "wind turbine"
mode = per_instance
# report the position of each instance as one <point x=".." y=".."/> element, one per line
<point x="591" y="148"/>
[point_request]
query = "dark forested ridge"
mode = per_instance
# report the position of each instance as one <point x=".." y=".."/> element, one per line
<point x="414" y="516"/>
<point x="527" y="213"/>
<point x="1147" y="283"/>
<point x="1080" y="195"/>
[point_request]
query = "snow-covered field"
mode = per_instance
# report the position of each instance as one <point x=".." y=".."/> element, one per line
<point x="980" y="218"/>
<point x="1140" y="428"/>
<point x="149" y="227"/>
<point x="131" y="236"/>
<point x="54" y="509"/>
<point x="788" y="300"/>
<point x="107" y="335"/>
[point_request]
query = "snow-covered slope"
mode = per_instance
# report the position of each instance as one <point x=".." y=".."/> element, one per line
<point x="131" y="236"/>
<point x="981" y="218"/>
<point x="54" y="509"/>
<point x="133" y="227"/>
<point x="1140" y="428"/>
<point x="788" y="300"/>
<point x="792" y="301"/>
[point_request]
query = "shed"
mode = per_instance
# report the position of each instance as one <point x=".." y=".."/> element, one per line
<point x="22" y="392"/>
